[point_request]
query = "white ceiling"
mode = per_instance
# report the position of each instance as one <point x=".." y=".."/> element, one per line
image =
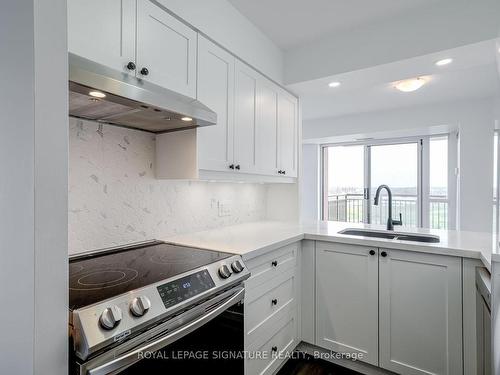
<point x="290" y="23"/>
<point x="473" y="73"/>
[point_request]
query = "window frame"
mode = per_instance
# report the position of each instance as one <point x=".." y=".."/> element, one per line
<point x="423" y="177"/>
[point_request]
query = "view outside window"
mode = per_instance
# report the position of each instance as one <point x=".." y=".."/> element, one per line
<point x="345" y="183"/>
<point x="438" y="183"/>
<point x="396" y="166"/>
<point x="352" y="170"/>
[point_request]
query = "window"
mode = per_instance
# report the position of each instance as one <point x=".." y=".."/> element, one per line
<point x="345" y="184"/>
<point x="438" y="183"/>
<point x="496" y="212"/>
<point x="352" y="173"/>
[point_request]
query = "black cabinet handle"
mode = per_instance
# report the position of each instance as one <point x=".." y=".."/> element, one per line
<point x="274" y="349"/>
<point x="372" y="252"/>
<point x="284" y="172"/>
<point x="131" y="65"/>
<point x="237" y="167"/>
<point x="274" y="263"/>
<point x="274" y="301"/>
<point x="280" y="171"/>
<point x="144" y="71"/>
<point x="231" y="166"/>
<point x="383" y="253"/>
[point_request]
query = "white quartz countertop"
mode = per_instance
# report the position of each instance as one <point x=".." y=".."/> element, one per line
<point x="256" y="238"/>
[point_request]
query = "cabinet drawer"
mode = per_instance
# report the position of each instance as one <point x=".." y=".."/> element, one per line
<point x="261" y="304"/>
<point x="267" y="266"/>
<point x="273" y="352"/>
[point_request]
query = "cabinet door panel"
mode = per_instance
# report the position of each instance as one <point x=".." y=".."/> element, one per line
<point x="245" y="117"/>
<point x="103" y="31"/>
<point x="216" y="90"/>
<point x="287" y="117"/>
<point x="347" y="300"/>
<point x="167" y="48"/>
<point x="420" y="313"/>
<point x="267" y="128"/>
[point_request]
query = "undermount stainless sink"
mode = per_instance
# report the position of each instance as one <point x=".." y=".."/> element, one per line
<point x="414" y="237"/>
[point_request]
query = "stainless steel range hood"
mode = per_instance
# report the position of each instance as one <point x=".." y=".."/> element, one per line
<point x="129" y="101"/>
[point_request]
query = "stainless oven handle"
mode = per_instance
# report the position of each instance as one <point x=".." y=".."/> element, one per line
<point x="131" y="357"/>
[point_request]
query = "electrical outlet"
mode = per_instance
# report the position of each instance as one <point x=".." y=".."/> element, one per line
<point x="225" y="208"/>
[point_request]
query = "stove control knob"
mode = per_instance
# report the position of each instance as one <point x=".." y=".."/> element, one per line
<point x="224" y="271"/>
<point x="237" y="266"/>
<point x="110" y="317"/>
<point x="140" y="305"/>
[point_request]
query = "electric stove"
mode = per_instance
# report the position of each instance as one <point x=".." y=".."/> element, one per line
<point x="123" y="297"/>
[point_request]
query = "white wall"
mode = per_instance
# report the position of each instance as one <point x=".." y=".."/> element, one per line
<point x="33" y="188"/>
<point x="474" y="119"/>
<point x="311" y="181"/>
<point x="443" y="25"/>
<point x="222" y="22"/>
<point x="115" y="199"/>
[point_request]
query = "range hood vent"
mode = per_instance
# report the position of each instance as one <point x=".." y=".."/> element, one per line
<point x="129" y="101"/>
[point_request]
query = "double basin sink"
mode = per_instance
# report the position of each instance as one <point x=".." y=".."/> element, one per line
<point x="402" y="236"/>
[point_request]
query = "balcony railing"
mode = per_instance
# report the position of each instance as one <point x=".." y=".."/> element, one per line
<point x="350" y="208"/>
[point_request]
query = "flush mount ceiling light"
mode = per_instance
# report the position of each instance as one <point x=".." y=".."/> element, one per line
<point x="334" y="84"/>
<point x="187" y="119"/>
<point x="409" y="85"/>
<point x="444" y="62"/>
<point x="97" y="94"/>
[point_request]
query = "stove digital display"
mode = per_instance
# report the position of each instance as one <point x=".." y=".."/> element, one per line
<point x="182" y="289"/>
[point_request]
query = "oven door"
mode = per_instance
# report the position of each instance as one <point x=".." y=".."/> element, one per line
<point x="208" y="337"/>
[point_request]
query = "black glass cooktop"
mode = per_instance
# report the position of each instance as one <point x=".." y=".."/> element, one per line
<point x="99" y="277"/>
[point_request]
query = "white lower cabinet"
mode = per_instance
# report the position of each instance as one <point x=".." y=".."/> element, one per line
<point x="271" y="309"/>
<point x="420" y="322"/>
<point x="399" y="310"/>
<point x="346" y="300"/>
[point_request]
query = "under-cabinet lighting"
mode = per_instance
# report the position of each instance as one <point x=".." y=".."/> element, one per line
<point x="97" y="94"/>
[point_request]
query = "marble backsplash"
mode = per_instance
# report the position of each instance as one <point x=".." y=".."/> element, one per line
<point x="115" y="199"/>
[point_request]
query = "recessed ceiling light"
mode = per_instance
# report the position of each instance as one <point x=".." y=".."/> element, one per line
<point x="444" y="62"/>
<point x="187" y="119"/>
<point x="409" y="85"/>
<point x="334" y="84"/>
<point x="97" y="94"/>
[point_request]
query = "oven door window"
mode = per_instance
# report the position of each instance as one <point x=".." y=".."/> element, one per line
<point x="215" y="346"/>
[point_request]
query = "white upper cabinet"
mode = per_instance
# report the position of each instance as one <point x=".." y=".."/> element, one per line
<point x="287" y="134"/>
<point x="256" y="135"/>
<point x="166" y="50"/>
<point x="137" y="37"/>
<point x="245" y="118"/>
<point x="216" y="90"/>
<point x="103" y="31"/>
<point x="420" y="313"/>
<point x="267" y="128"/>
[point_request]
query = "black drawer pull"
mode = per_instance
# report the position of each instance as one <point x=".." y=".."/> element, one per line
<point x="274" y="301"/>
<point x="274" y="263"/>
<point x="274" y="349"/>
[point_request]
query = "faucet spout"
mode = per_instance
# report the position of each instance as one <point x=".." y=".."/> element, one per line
<point x="390" y="221"/>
